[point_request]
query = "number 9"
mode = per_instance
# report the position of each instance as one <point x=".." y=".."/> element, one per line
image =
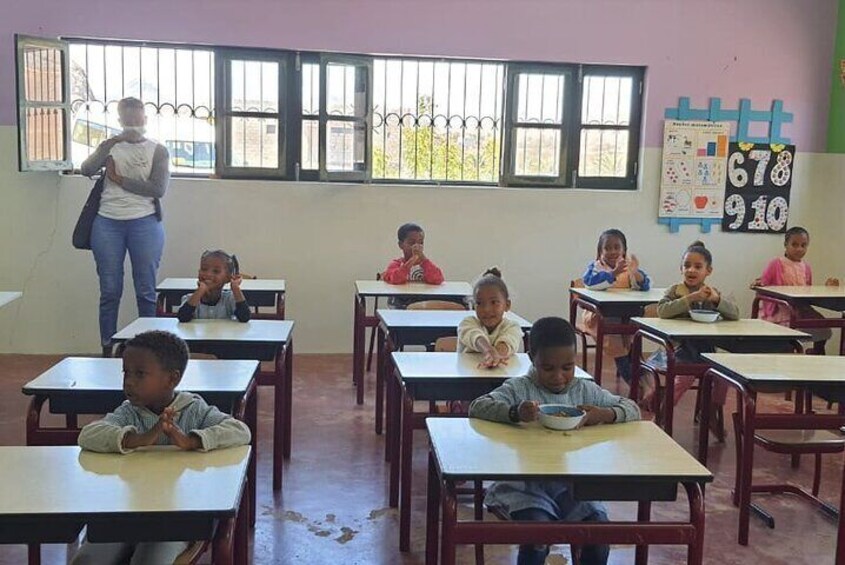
<point x="735" y="206"/>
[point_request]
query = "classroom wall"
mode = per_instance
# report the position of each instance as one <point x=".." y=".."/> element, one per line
<point x="321" y="237"/>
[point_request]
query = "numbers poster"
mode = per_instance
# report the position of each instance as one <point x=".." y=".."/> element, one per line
<point x="694" y="168"/>
<point x="757" y="188"/>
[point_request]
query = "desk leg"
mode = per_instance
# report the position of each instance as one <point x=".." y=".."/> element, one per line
<point x="252" y="422"/>
<point x="840" y="535"/>
<point x="599" y="349"/>
<point x="747" y="464"/>
<point x="704" y="429"/>
<point x="33" y="551"/>
<point x="636" y="368"/>
<point x="391" y="423"/>
<point x="241" y="549"/>
<point x="406" y="470"/>
<point x="643" y="515"/>
<point x="394" y="439"/>
<point x="288" y="397"/>
<point x="278" y="419"/>
<point x="432" y="513"/>
<point x="380" y="380"/>
<point x="358" y="347"/>
<point x="669" y="397"/>
<point x="695" y="551"/>
<point x="450" y="519"/>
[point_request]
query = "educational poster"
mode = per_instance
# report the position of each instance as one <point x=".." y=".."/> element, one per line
<point x="693" y="174"/>
<point x="757" y="189"/>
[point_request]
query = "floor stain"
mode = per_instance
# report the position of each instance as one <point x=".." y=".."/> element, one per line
<point x="379" y="513"/>
<point x="346" y="536"/>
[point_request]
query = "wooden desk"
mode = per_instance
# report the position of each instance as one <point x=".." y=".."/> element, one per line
<point x="7" y="297"/>
<point x="794" y="298"/>
<point x="730" y="335"/>
<point x="47" y="494"/>
<point x="259" y="293"/>
<point x="611" y="462"/>
<point x="752" y="373"/>
<point x="610" y="303"/>
<point x="398" y="328"/>
<point x="262" y="340"/>
<point x="434" y="376"/>
<point x="380" y="289"/>
<point x="82" y="385"/>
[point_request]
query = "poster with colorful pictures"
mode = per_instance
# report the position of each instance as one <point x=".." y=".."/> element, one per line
<point x="757" y="190"/>
<point x="693" y="175"/>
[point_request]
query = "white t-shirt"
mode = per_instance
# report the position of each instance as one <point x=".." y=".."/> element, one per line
<point x="133" y="161"/>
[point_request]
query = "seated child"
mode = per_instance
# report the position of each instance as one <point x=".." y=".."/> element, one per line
<point x="792" y="270"/>
<point x="691" y="294"/>
<point x="154" y="414"/>
<point x="210" y="301"/>
<point x="489" y="332"/>
<point x="551" y="380"/>
<point x="613" y="269"/>
<point x="413" y="266"/>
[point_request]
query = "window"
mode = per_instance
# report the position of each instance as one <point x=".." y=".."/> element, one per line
<point x="252" y="113"/>
<point x="437" y="121"/>
<point x="43" y="104"/>
<point x="275" y="114"/>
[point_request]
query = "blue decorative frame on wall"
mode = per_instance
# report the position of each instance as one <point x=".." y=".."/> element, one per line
<point x="743" y="116"/>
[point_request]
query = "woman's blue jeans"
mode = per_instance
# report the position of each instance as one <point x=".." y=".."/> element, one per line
<point x="110" y="240"/>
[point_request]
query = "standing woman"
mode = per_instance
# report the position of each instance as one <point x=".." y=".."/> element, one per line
<point x="129" y="218"/>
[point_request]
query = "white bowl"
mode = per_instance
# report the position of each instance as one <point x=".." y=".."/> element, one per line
<point x="560" y="416"/>
<point x="704" y="316"/>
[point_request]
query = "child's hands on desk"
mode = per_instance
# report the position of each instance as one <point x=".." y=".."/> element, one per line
<point x="493" y="358"/>
<point x="179" y="438"/>
<point x="529" y="410"/>
<point x="133" y="440"/>
<point x="596" y="415"/>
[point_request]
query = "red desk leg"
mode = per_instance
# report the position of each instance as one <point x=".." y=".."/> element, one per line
<point x="358" y="347"/>
<point x="381" y="362"/>
<point x="241" y="545"/>
<point x="840" y="535"/>
<point x="749" y="409"/>
<point x="695" y="551"/>
<point x="643" y="515"/>
<point x="450" y="520"/>
<point x="288" y="396"/>
<point x="407" y="451"/>
<point x="278" y="419"/>
<point x="433" y="512"/>
<point x="251" y="417"/>
<point x="395" y="438"/>
<point x="33" y="556"/>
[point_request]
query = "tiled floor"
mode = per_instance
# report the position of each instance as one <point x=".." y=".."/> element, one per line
<point x="333" y="508"/>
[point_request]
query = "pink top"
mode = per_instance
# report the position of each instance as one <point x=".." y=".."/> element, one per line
<point x="783" y="272"/>
<point x="397" y="273"/>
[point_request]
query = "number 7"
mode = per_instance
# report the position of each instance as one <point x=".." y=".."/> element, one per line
<point x="762" y="157"/>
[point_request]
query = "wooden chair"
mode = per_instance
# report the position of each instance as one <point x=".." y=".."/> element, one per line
<point x="435" y="305"/>
<point x="578" y="325"/>
<point x="446" y="344"/>
<point x="790" y="442"/>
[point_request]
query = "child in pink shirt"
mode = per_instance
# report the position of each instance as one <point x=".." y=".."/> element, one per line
<point x="792" y="270"/>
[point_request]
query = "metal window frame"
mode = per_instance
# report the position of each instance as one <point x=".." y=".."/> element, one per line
<point x="634" y="129"/>
<point x="508" y="176"/>
<point x="24" y="164"/>
<point x="223" y="58"/>
<point x="365" y="175"/>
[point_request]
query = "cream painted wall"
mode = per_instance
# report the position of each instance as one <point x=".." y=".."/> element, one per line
<point x="322" y="237"/>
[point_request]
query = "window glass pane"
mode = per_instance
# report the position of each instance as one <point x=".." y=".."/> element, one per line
<point x="310" y="145"/>
<point x="255" y="86"/>
<point x="346" y="146"/>
<point x="43" y="74"/>
<point x="346" y="90"/>
<point x="606" y="100"/>
<point x="604" y="153"/>
<point x="537" y="152"/>
<point x="176" y="86"/>
<point x="254" y="143"/>
<point x="45" y="134"/>
<point x="540" y="98"/>
<point x="310" y="89"/>
<point x="437" y="120"/>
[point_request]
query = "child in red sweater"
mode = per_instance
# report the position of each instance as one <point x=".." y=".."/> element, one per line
<point x="413" y="266"/>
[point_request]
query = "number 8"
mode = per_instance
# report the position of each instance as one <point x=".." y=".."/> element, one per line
<point x="781" y="172"/>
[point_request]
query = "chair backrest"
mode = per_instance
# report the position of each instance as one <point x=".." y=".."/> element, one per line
<point x="435" y="305"/>
<point x="576" y="283"/>
<point x="446" y="344"/>
<point x="650" y="311"/>
<point x="203" y="356"/>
